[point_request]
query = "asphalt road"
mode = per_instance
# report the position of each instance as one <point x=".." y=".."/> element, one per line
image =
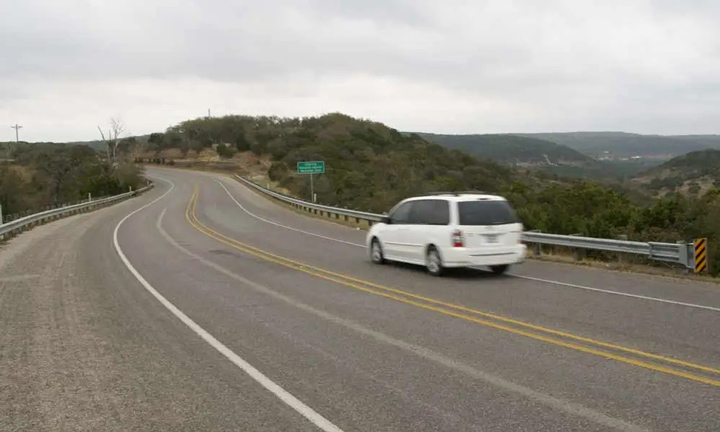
<point x="214" y="309"/>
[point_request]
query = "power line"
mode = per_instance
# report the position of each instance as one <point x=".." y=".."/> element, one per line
<point x="17" y="128"/>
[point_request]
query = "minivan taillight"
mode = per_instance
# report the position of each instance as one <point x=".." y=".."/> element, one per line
<point x="457" y="239"/>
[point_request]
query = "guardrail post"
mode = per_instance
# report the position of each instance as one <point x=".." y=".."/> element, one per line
<point x="621" y="258"/>
<point x="579" y="253"/>
<point x="686" y="255"/>
<point x="537" y="249"/>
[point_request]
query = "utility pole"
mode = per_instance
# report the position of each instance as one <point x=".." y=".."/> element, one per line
<point x="17" y="128"/>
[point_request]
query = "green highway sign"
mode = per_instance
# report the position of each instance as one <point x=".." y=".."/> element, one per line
<point x="312" y="167"/>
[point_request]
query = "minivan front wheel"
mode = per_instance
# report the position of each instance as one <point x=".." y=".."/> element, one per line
<point x="433" y="262"/>
<point x="499" y="269"/>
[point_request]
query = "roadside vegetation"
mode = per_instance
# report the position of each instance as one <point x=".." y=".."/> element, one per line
<point x="34" y="177"/>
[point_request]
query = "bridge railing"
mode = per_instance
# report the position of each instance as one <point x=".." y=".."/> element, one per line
<point x="15" y="226"/>
<point x="680" y="253"/>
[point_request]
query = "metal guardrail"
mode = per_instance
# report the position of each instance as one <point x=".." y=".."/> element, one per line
<point x="359" y="215"/>
<point x="24" y="223"/>
<point x="676" y="253"/>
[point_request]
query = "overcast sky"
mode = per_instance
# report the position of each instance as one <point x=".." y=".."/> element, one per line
<point x="424" y="65"/>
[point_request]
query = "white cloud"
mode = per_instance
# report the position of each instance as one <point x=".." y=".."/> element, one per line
<point x="453" y="66"/>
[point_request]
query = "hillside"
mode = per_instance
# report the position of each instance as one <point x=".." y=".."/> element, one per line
<point x="515" y="150"/>
<point x="5" y="150"/>
<point x="620" y="145"/>
<point x="369" y="166"/>
<point x="693" y="173"/>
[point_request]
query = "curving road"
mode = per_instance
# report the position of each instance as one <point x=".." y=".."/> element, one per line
<point x="202" y="306"/>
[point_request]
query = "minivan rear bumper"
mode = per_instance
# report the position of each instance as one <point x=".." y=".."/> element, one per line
<point x="465" y="257"/>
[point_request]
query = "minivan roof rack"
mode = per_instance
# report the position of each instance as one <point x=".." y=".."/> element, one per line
<point x="473" y="192"/>
<point x="440" y="193"/>
<point x="456" y="193"/>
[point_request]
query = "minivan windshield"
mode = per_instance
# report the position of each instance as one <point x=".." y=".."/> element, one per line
<point x="486" y="213"/>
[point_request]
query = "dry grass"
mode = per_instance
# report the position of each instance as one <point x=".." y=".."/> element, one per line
<point x="626" y="266"/>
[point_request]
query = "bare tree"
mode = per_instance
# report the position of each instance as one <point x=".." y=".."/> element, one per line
<point x="112" y="140"/>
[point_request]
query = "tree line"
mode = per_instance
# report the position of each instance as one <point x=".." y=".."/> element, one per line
<point x="37" y="176"/>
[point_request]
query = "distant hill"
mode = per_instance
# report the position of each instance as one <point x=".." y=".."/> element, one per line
<point x="512" y="149"/>
<point x="95" y="145"/>
<point x="543" y="155"/>
<point x="692" y="173"/>
<point x="619" y="145"/>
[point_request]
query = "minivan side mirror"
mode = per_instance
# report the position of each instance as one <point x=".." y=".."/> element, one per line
<point x="386" y="220"/>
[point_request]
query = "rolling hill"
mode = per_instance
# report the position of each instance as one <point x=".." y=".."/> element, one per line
<point x="620" y="145"/>
<point x="511" y="149"/>
<point x="693" y="173"/>
<point x="543" y="155"/>
<point x="369" y="166"/>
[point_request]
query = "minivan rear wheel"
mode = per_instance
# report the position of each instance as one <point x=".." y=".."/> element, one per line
<point x="433" y="262"/>
<point x="499" y="269"/>
<point x="376" y="252"/>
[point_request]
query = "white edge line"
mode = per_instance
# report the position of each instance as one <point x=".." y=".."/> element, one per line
<point x="620" y="293"/>
<point x="565" y="284"/>
<point x="284" y="226"/>
<point x="307" y="412"/>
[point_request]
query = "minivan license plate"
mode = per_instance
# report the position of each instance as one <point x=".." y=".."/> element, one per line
<point x="492" y="238"/>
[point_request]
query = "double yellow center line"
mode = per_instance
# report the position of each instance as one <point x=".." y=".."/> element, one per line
<point x="607" y="350"/>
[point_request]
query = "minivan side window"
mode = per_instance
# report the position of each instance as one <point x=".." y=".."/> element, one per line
<point x="401" y="215"/>
<point x="430" y="212"/>
<point x="486" y="212"/>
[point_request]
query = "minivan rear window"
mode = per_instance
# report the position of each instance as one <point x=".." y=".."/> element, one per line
<point x="486" y="213"/>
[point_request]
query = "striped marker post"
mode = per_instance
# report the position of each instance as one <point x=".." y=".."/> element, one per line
<point x="701" y="264"/>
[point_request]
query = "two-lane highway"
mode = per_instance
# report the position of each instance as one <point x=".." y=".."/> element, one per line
<point x="204" y="306"/>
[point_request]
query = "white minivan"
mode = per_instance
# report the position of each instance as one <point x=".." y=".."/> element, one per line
<point x="449" y="230"/>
